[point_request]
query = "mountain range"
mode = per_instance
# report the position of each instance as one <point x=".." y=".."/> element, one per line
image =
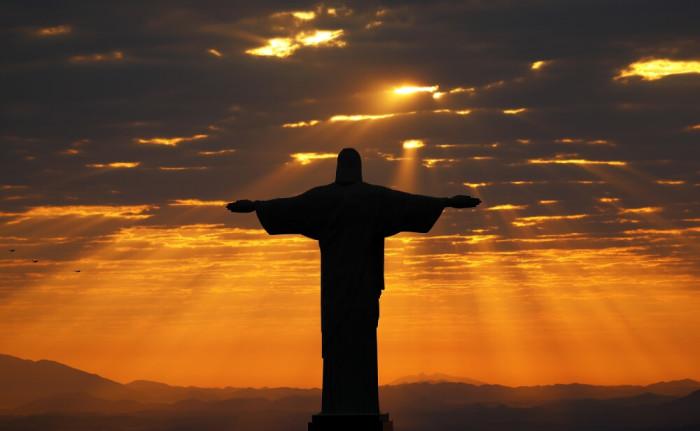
<point x="47" y="395"/>
<point x="434" y="378"/>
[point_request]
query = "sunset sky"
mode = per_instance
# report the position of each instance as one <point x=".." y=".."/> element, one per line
<point x="127" y="126"/>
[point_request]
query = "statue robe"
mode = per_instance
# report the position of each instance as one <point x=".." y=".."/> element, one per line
<point x="350" y="223"/>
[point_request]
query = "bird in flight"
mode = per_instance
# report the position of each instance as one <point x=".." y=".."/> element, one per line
<point x="77" y="270"/>
<point x="12" y="250"/>
<point x="35" y="260"/>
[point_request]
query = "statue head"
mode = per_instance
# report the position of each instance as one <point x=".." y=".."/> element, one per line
<point x="349" y="169"/>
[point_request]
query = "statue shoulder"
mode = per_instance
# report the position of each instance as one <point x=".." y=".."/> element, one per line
<point x="320" y="190"/>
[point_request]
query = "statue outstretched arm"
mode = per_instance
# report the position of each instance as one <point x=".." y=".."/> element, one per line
<point x="242" y="206"/>
<point x="462" y="201"/>
<point x="281" y="216"/>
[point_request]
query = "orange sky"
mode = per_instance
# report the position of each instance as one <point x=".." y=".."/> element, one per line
<point x="581" y="264"/>
<point x="546" y="302"/>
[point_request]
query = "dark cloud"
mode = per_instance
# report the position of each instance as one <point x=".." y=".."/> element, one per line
<point x="141" y="70"/>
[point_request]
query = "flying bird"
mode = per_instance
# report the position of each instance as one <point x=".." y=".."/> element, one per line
<point x="35" y="260"/>
<point x="77" y="270"/>
<point x="12" y="250"/>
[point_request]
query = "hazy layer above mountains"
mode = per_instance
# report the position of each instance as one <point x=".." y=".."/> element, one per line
<point x="35" y="395"/>
<point x="434" y="378"/>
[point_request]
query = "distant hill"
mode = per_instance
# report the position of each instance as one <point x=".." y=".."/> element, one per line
<point x="434" y="378"/>
<point x="78" y="402"/>
<point x="644" y="412"/>
<point x="655" y="413"/>
<point x="400" y="396"/>
<point x="675" y="387"/>
<point x="23" y="380"/>
<point x="162" y="392"/>
<point x="39" y="395"/>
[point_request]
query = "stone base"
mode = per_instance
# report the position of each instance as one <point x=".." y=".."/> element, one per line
<point x="378" y="422"/>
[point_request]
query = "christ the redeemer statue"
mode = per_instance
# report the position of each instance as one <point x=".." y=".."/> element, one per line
<point x="350" y="219"/>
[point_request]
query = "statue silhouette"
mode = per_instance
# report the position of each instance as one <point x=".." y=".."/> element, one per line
<point x="350" y="219"/>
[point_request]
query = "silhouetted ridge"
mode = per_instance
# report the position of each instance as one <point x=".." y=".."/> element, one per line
<point x="79" y="402"/>
<point x="434" y="378"/>
<point x="692" y="399"/>
<point x="524" y="396"/>
<point x="146" y="405"/>
<point x="23" y="380"/>
<point x="675" y="387"/>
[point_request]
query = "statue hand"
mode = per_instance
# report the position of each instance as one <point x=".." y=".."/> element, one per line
<point x="461" y="201"/>
<point x="242" y="206"/>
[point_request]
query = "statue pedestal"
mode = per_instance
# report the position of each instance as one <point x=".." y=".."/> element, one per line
<point x="378" y="422"/>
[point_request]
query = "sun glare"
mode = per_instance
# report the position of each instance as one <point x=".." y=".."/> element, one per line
<point x="276" y="47"/>
<point x="431" y="163"/>
<point x="170" y="141"/>
<point x="114" y="165"/>
<point x="412" y="90"/>
<point x="304" y="15"/>
<point x="123" y="211"/>
<point x="306" y="158"/>
<point x="196" y="203"/>
<point x="642" y="210"/>
<point x="534" y="220"/>
<point x="301" y="124"/>
<point x="413" y="143"/>
<point x="321" y="37"/>
<point x="507" y="207"/>
<point x="406" y="176"/>
<point x="285" y="46"/>
<point x="476" y="185"/>
<point x="576" y="162"/>
<point x="359" y="117"/>
<point x="652" y="70"/>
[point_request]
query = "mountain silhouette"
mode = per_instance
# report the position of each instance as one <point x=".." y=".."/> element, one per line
<point x="674" y="387"/>
<point x="161" y="392"/>
<point x="691" y="400"/>
<point x="434" y="378"/>
<point x="400" y="396"/>
<point x="78" y="402"/>
<point x="23" y="380"/>
<point x="41" y="395"/>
